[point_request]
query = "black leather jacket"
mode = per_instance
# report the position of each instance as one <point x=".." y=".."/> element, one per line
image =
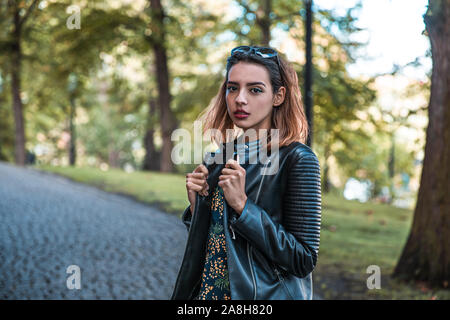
<point x="273" y="245"/>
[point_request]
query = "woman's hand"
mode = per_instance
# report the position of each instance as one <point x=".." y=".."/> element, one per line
<point x="196" y="183"/>
<point x="232" y="181"/>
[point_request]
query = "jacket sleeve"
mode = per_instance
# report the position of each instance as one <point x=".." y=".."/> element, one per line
<point x="293" y="244"/>
<point x="186" y="217"/>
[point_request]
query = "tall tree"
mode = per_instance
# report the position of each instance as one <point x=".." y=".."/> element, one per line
<point x="260" y="16"/>
<point x="157" y="31"/>
<point x="72" y="87"/>
<point x="338" y="97"/>
<point x="19" y="12"/>
<point x="168" y="120"/>
<point x="308" y="98"/>
<point x="426" y="255"/>
<point x="6" y="123"/>
<point x="77" y="53"/>
<point x="151" y="155"/>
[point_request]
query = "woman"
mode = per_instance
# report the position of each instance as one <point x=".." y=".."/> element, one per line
<point x="254" y="227"/>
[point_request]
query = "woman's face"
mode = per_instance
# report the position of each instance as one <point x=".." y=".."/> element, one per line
<point x="249" y="90"/>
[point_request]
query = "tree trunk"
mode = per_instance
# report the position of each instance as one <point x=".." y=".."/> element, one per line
<point x="113" y="157"/>
<point x="152" y="157"/>
<point x="167" y="118"/>
<point x="72" y="148"/>
<point x="265" y="22"/>
<point x="16" y="60"/>
<point x="308" y="95"/>
<point x="326" y="169"/>
<point x="391" y="167"/>
<point x="426" y="255"/>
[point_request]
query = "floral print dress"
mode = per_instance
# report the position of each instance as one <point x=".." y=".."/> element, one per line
<point x="215" y="283"/>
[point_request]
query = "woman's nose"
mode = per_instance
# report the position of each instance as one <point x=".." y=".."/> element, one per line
<point x="241" y="98"/>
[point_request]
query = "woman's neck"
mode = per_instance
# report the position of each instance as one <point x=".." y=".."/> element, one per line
<point x="251" y="138"/>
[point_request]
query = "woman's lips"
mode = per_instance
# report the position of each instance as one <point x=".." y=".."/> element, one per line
<point x="241" y="115"/>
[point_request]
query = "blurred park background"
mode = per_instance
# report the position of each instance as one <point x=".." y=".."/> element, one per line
<point x="92" y="90"/>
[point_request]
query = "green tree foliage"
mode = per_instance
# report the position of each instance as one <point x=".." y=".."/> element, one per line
<point x="116" y="35"/>
<point x="337" y="96"/>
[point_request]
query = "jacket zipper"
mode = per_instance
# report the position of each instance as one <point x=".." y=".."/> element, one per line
<point x="232" y="231"/>
<point x="251" y="269"/>
<point x="280" y="277"/>
<point x="250" y="261"/>
<point x="249" y="252"/>
<point x="256" y="201"/>
<point x="260" y="184"/>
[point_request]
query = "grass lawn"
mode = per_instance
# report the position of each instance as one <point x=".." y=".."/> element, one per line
<point x="354" y="235"/>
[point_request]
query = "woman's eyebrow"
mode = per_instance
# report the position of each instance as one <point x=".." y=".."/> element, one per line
<point x="248" y="84"/>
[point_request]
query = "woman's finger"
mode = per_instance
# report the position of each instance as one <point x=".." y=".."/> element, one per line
<point x="197" y="175"/>
<point x="223" y="182"/>
<point x="228" y="171"/>
<point x="202" y="187"/>
<point x="201" y="168"/>
<point x="193" y="186"/>
<point x="233" y="164"/>
<point x="200" y="182"/>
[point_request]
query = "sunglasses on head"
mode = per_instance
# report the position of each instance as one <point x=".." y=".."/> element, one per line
<point x="260" y="51"/>
<point x="263" y="52"/>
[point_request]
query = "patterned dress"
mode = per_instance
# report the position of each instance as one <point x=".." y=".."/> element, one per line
<point x="215" y="284"/>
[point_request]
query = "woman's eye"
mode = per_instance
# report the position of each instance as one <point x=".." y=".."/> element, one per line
<point x="257" y="90"/>
<point x="254" y="90"/>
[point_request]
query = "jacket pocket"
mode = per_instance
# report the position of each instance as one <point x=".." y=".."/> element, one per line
<point x="282" y="281"/>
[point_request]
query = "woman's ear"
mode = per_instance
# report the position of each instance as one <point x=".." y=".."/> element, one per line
<point x="279" y="96"/>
